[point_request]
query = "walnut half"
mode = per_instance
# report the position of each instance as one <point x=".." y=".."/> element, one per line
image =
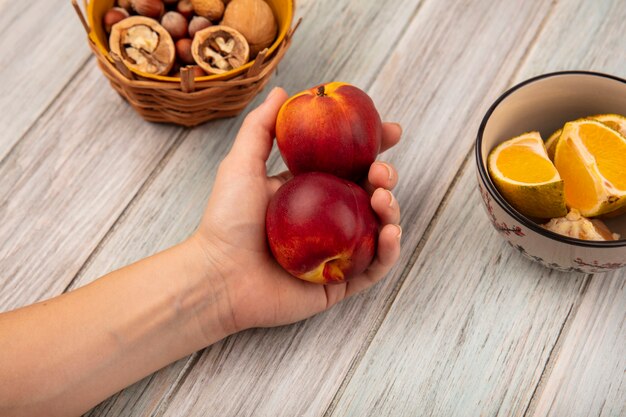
<point x="219" y="49"/>
<point x="143" y="44"/>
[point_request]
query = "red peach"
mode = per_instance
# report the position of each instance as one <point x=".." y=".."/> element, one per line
<point x="332" y="128"/>
<point x="321" y="228"/>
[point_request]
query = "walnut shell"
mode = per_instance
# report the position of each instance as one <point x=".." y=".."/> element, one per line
<point x="219" y="49"/>
<point x="143" y="44"/>
<point x="211" y="9"/>
<point x="255" y="20"/>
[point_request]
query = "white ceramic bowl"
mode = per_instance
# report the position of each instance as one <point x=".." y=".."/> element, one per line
<point x="544" y="104"/>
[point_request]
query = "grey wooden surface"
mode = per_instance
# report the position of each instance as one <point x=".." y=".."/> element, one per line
<point x="455" y="329"/>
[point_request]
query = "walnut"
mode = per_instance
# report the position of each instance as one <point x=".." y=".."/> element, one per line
<point x="211" y="9"/>
<point x="218" y="49"/>
<point x="255" y="20"/>
<point x="579" y="227"/>
<point x="143" y="45"/>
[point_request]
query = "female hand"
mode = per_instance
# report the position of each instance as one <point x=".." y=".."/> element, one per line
<point x="232" y="232"/>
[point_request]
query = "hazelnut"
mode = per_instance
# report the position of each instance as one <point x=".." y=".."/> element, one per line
<point x="170" y="2"/>
<point x="185" y="8"/>
<point x="198" y="72"/>
<point x="125" y="4"/>
<point x="175" y="23"/>
<point x="143" y="45"/>
<point x="183" y="50"/>
<point x="198" y="23"/>
<point x="148" y="8"/>
<point x="113" y="16"/>
<point x="211" y="9"/>
<point x="255" y="20"/>
<point x="219" y="49"/>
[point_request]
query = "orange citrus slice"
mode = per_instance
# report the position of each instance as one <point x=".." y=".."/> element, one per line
<point x="614" y="121"/>
<point x="591" y="158"/>
<point x="523" y="173"/>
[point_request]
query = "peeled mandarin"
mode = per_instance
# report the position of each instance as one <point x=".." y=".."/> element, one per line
<point x="614" y="121"/>
<point x="523" y="173"/>
<point x="591" y="158"/>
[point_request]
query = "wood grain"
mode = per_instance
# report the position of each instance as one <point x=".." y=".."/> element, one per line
<point x="305" y="364"/>
<point x="43" y="45"/>
<point x="448" y="365"/>
<point x="588" y="375"/>
<point x="169" y="208"/>
<point x="470" y="330"/>
<point x="90" y="175"/>
<point x="65" y="184"/>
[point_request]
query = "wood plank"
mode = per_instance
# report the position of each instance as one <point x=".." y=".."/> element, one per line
<point x="42" y="45"/>
<point x="588" y="376"/>
<point x="171" y="206"/>
<point x="470" y="330"/>
<point x="484" y="351"/>
<point x="296" y="370"/>
<point x="65" y="184"/>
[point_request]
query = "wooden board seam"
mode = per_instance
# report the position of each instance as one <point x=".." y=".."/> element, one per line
<point x="534" y="41"/>
<point x="401" y="33"/>
<point x="164" y="402"/>
<point x="556" y="347"/>
<point x="45" y="110"/>
<point x="183" y="133"/>
<point x="431" y="225"/>
<point x="397" y="287"/>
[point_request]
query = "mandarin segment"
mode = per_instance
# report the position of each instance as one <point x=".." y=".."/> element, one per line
<point x="591" y="158"/>
<point x="523" y="173"/>
<point x="551" y="143"/>
<point x="614" y="121"/>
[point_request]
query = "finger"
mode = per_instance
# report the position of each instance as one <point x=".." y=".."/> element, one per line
<point x="254" y="140"/>
<point x="381" y="175"/>
<point x="387" y="255"/>
<point x="276" y="181"/>
<point x="392" y="132"/>
<point x="386" y="206"/>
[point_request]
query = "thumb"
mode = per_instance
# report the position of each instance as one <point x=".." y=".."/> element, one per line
<point x="254" y="140"/>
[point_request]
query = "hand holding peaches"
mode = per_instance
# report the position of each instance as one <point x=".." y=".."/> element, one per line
<point x="261" y="293"/>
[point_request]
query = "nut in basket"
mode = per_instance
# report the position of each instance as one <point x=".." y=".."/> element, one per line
<point x="147" y="59"/>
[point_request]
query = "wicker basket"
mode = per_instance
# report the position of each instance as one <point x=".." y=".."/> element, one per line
<point x="187" y="101"/>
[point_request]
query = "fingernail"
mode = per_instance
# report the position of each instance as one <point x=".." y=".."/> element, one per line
<point x="399" y="126"/>
<point x="399" y="235"/>
<point x="271" y="94"/>
<point x="389" y="170"/>
<point x="391" y="198"/>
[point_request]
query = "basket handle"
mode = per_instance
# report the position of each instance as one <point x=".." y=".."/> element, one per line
<point x="81" y="16"/>
<point x="293" y="30"/>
